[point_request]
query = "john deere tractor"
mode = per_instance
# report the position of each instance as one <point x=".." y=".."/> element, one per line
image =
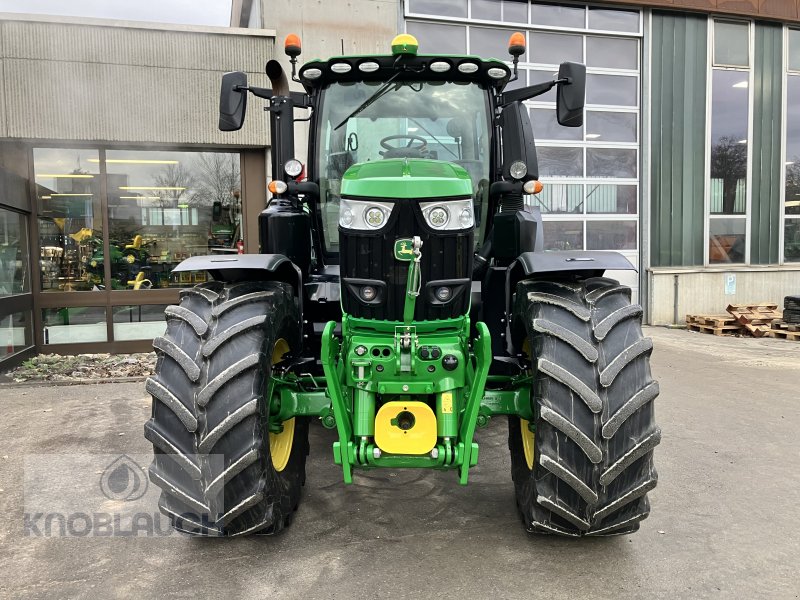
<point x="402" y="297"/>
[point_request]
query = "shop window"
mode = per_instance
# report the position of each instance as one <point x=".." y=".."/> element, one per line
<point x="794" y="50"/>
<point x="609" y="19"/>
<point x="445" y="8"/>
<point x="15" y="333"/>
<point x="490" y="43"/>
<point x="164" y="207"/>
<point x="731" y="44"/>
<point x="546" y="127"/>
<point x="515" y="11"/>
<point x="74" y="325"/>
<point x="70" y="220"/>
<point x="560" y="162"/>
<point x="559" y="198"/>
<point x="556" y="15"/>
<point x="14" y="274"/>
<point x="612" y="53"/>
<point x="563" y="235"/>
<point x="610" y="126"/>
<point x="611" y="235"/>
<point x="139" y="322"/>
<point x="555" y="48"/>
<point x="610" y="199"/>
<point x="612" y="90"/>
<point x="791" y="227"/>
<point x="486" y="10"/>
<point x="727" y="195"/>
<point x="442" y="39"/>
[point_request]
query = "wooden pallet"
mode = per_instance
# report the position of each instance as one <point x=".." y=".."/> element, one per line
<point x="713" y="324"/>
<point x="791" y="327"/>
<point x="756" y="318"/>
<point x="785" y="334"/>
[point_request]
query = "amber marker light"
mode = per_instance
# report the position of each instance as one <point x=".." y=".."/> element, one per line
<point x="516" y="44"/>
<point x="277" y="186"/>
<point x="292" y="46"/>
<point x="532" y="187"/>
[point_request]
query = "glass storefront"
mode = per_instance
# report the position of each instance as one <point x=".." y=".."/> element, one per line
<point x="13" y="253"/>
<point x="161" y="207"/>
<point x="791" y="223"/>
<point x="16" y="324"/>
<point x="74" y="325"/>
<point x="15" y="333"/>
<point x="70" y="219"/>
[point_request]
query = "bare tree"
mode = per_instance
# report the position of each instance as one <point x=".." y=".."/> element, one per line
<point x="218" y="178"/>
<point x="174" y="176"/>
<point x="729" y="163"/>
<point x="793" y="187"/>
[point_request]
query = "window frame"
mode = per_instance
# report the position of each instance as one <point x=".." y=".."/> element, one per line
<point x="787" y="73"/>
<point x="707" y="215"/>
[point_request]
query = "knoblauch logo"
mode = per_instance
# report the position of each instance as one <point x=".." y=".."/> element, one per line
<point x="124" y="480"/>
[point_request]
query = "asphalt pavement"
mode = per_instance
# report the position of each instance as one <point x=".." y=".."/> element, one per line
<point x="723" y="524"/>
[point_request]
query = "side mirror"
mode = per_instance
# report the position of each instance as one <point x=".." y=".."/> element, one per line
<point x="232" y="101"/>
<point x="518" y="144"/>
<point x="571" y="94"/>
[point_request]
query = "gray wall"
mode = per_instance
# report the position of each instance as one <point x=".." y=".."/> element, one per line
<point x="124" y="82"/>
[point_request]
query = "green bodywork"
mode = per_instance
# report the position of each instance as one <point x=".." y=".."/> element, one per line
<point x="406" y="178"/>
<point x="372" y="360"/>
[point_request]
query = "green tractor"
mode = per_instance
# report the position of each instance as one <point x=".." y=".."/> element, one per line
<point x="402" y="297"/>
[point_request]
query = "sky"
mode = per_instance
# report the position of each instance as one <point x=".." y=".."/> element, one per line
<point x="183" y="12"/>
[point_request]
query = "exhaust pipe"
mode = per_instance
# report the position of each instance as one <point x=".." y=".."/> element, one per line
<point x="277" y="78"/>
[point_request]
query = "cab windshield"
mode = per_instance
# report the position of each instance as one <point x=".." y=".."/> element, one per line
<point x="435" y="120"/>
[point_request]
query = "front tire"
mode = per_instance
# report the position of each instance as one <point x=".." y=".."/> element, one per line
<point x="220" y="469"/>
<point x="587" y="466"/>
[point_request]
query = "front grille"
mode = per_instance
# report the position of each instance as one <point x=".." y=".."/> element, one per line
<point x="446" y="255"/>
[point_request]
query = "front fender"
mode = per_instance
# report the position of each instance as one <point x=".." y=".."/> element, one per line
<point x="587" y="261"/>
<point x="231" y="268"/>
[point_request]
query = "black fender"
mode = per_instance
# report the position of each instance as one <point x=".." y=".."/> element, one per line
<point x="594" y="263"/>
<point x="556" y="264"/>
<point x="232" y="268"/>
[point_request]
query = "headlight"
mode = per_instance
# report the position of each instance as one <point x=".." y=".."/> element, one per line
<point x="363" y="215"/>
<point x="518" y="169"/>
<point x="293" y="167"/>
<point x="450" y="215"/>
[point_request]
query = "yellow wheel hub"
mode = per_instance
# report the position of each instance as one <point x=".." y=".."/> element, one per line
<point x="528" y="439"/>
<point x="528" y="442"/>
<point x="280" y="444"/>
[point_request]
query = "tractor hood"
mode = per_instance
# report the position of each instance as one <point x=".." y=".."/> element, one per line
<point x="406" y="178"/>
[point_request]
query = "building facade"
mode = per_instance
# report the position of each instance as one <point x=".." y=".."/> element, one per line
<point x="113" y="171"/>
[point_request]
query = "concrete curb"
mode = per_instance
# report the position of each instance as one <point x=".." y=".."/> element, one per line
<point x="46" y="383"/>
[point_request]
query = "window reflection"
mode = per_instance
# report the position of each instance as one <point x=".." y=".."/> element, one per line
<point x="13" y="253"/>
<point x="164" y="207"/>
<point x="70" y="220"/>
<point x="446" y="39"/>
<point x="729" y="116"/>
<point x="791" y="228"/>
<point x="563" y="235"/>
<point x="15" y="333"/>
<point x="138" y="322"/>
<point x="74" y="325"/>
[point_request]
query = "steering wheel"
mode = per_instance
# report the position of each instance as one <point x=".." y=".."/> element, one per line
<point x="423" y="144"/>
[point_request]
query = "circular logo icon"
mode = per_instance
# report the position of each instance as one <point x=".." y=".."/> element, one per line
<point x="124" y="479"/>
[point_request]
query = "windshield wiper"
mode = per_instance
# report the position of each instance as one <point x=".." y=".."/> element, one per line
<point x="369" y="101"/>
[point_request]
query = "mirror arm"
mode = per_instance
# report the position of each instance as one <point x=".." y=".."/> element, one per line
<point x="526" y="93"/>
